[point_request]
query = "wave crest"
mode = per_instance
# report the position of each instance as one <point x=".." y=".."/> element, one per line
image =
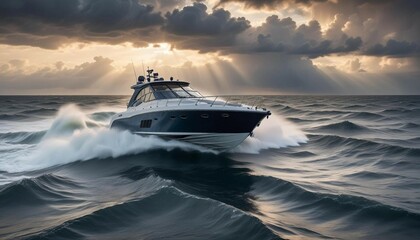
<point x="140" y="216"/>
<point x="344" y="126"/>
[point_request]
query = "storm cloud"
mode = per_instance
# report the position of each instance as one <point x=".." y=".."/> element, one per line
<point x="376" y="28"/>
<point x="283" y="35"/>
<point x="50" y="23"/>
<point x="194" y="20"/>
<point x="267" y="3"/>
<point x="394" y="48"/>
<point x="193" y="28"/>
<point x="295" y="53"/>
<point x="387" y="28"/>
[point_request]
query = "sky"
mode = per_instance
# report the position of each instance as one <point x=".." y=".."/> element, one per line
<point x="89" y="47"/>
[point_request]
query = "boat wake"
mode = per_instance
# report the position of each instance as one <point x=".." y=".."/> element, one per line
<point x="75" y="135"/>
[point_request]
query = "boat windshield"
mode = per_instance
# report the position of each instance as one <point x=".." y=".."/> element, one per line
<point x="180" y="92"/>
<point x="167" y="91"/>
<point x="163" y="91"/>
<point x="192" y="92"/>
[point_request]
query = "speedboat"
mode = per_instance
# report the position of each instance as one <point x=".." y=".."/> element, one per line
<point x="172" y="109"/>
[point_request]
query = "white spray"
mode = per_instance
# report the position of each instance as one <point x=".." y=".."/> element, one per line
<point x="275" y="132"/>
<point x="73" y="136"/>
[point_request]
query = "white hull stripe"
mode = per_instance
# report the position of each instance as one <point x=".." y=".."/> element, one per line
<point x="217" y="141"/>
<point x="173" y="133"/>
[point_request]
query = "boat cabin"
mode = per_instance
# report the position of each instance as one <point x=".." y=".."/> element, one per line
<point x="157" y="90"/>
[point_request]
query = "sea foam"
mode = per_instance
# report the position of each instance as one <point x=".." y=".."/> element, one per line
<point x="274" y="132"/>
<point x="75" y="136"/>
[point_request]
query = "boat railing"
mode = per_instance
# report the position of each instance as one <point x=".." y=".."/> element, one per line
<point x="224" y="101"/>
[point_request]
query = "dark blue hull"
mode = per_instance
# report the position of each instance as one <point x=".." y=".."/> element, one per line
<point x="192" y="121"/>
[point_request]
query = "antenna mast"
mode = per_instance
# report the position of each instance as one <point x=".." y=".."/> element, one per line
<point x="134" y="70"/>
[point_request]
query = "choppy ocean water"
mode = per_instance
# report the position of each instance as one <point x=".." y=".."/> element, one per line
<point x="337" y="167"/>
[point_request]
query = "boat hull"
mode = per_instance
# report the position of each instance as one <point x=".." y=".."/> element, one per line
<point x="216" y="129"/>
<point x="217" y="141"/>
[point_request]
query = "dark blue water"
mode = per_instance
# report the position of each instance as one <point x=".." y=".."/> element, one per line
<point x="338" y="167"/>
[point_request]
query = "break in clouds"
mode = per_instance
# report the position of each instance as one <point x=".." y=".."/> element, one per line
<point x="384" y="29"/>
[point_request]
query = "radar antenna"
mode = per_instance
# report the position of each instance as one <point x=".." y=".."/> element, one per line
<point x="149" y="74"/>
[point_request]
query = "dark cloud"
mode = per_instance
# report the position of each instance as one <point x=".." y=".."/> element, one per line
<point x="394" y="48"/>
<point x="165" y="5"/>
<point x="375" y="22"/>
<point x="92" y="15"/>
<point x="360" y="27"/>
<point x="325" y="47"/>
<point x="110" y="15"/>
<point x="272" y="4"/>
<point x="283" y="35"/>
<point x="267" y="3"/>
<point x="193" y="28"/>
<point x="194" y="20"/>
<point x="50" y="23"/>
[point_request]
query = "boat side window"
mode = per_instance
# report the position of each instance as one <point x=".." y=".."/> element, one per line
<point x="133" y="99"/>
<point x="137" y="101"/>
<point x="147" y="90"/>
<point x="144" y="96"/>
<point x="142" y="99"/>
<point x="151" y="97"/>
